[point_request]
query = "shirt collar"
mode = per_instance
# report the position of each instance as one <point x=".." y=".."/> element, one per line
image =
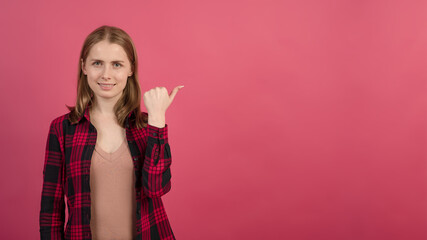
<point x="87" y="115"/>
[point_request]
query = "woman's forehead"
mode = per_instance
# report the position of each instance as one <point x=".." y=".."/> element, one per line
<point x="107" y="51"/>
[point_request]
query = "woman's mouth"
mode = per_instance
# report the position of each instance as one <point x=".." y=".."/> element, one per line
<point x="106" y="86"/>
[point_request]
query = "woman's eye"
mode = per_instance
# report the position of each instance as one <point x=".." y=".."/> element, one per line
<point x="117" y="64"/>
<point x="96" y="63"/>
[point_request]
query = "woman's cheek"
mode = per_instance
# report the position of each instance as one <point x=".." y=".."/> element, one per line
<point x="96" y="74"/>
<point x="122" y="76"/>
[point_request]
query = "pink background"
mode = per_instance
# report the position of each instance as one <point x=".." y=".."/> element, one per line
<point x="298" y="119"/>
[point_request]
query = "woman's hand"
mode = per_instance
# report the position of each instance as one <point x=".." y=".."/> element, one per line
<point x="157" y="100"/>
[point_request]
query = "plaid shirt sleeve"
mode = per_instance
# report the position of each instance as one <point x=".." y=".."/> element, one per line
<point x="156" y="172"/>
<point x="52" y="211"/>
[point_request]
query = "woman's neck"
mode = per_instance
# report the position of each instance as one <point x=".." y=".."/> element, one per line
<point x="103" y="108"/>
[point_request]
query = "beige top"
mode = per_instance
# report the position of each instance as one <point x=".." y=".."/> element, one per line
<point x="113" y="200"/>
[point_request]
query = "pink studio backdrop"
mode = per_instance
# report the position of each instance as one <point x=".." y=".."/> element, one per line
<point x="299" y="119"/>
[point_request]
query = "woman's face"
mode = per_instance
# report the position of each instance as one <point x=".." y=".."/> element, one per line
<point x="107" y="68"/>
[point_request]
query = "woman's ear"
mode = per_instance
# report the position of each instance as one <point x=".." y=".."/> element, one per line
<point x="83" y="66"/>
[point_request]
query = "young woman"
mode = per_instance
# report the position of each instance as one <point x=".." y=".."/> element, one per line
<point x="111" y="160"/>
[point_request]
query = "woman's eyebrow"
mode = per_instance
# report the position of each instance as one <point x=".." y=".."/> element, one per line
<point x="98" y="60"/>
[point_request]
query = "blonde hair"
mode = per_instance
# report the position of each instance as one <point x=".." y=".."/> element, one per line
<point x="131" y="97"/>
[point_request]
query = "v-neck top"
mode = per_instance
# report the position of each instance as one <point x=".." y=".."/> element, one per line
<point x="112" y="182"/>
<point x="66" y="177"/>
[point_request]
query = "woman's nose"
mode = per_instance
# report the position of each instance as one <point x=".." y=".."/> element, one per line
<point x="106" y="72"/>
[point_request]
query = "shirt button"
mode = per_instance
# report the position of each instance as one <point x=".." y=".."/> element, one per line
<point x="135" y="158"/>
<point x="154" y="134"/>
<point x="161" y="135"/>
<point x="138" y="193"/>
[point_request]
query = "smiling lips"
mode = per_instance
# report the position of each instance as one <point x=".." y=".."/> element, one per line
<point x="106" y="86"/>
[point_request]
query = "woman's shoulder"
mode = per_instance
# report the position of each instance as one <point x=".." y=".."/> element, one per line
<point x="57" y="124"/>
<point x="65" y="118"/>
<point x="59" y="120"/>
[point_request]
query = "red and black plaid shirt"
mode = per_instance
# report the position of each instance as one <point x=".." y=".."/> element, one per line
<point x="66" y="171"/>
